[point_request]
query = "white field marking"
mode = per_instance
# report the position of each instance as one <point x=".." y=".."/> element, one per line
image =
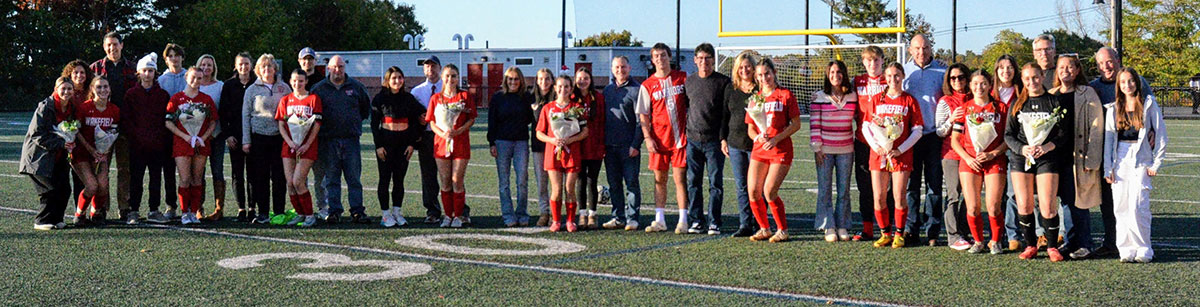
<point x="1180" y="176"/>
<point x="549" y="246"/>
<point x="395" y="269"/>
<point x="527" y="230"/>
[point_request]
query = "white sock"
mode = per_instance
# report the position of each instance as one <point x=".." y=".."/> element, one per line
<point x="659" y="215"/>
<point x="583" y="212"/>
<point x="683" y="216"/>
<point x="591" y="213"/>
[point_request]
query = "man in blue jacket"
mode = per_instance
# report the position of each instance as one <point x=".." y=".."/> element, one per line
<point x="622" y="138"/>
<point x="345" y="105"/>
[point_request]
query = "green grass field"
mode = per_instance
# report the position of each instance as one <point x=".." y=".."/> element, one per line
<point x="170" y="265"/>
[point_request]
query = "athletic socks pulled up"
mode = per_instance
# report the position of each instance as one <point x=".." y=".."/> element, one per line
<point x="185" y="199"/>
<point x="901" y="217"/>
<point x="997" y="226"/>
<point x="571" y="209"/>
<point x="660" y="215"/>
<point x="884" y="221"/>
<point x="777" y="210"/>
<point x="448" y="203"/>
<point x="976" y="231"/>
<point x="556" y="210"/>
<point x="1026" y="223"/>
<point x="1052" y="228"/>
<point x="759" y="209"/>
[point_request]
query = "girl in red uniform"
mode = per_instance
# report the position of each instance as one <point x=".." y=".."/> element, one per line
<point x="564" y="156"/>
<point x="191" y="151"/>
<point x="452" y="147"/>
<point x="90" y="164"/>
<point x="593" y="147"/>
<point x="771" y="156"/>
<point x="298" y="155"/>
<point x="982" y="165"/>
<point x="892" y="165"/>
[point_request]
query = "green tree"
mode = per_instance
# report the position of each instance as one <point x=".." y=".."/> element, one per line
<point x="1162" y="40"/>
<point x="1007" y="42"/>
<point x="610" y="38"/>
<point x="875" y="13"/>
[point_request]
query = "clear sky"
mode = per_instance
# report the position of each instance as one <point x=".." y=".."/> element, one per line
<point x="535" y="23"/>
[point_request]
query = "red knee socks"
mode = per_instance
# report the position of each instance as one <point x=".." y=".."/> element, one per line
<point x="759" y="208"/>
<point x="901" y="217"/>
<point x="884" y="221"/>
<point x="448" y="203"/>
<point x="976" y="231"/>
<point x="197" y="198"/>
<point x="556" y="210"/>
<point x="82" y="205"/>
<point x="185" y="199"/>
<point x="997" y="222"/>
<point x="778" y="211"/>
<point x="460" y="203"/>
<point x="869" y="229"/>
<point x="302" y="203"/>
<point x="571" y="208"/>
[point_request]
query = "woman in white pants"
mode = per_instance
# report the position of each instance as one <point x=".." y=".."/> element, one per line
<point x="1135" y="142"/>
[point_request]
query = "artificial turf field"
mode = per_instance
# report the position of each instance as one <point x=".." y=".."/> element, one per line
<point x="172" y="265"/>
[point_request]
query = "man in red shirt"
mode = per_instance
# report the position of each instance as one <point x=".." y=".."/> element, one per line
<point x="661" y="107"/>
<point x="121" y="76"/>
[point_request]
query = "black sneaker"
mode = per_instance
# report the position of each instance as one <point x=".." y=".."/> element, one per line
<point x="743" y="232"/>
<point x="1105" y="251"/>
<point x="262" y="219"/>
<point x="241" y="216"/>
<point x="360" y="218"/>
<point x="432" y="220"/>
<point x="696" y="228"/>
<point x="333" y="219"/>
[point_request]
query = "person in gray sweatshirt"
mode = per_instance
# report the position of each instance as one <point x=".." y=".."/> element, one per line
<point x="261" y="139"/>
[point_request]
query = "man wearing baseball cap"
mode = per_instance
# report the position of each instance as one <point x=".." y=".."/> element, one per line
<point x="308" y="62"/>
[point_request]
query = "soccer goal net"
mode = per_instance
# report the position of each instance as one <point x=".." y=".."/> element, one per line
<point x="801" y="69"/>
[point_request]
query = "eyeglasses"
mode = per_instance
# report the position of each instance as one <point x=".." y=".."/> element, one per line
<point x="959" y="78"/>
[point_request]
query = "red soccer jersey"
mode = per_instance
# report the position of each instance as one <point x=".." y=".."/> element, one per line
<point x="462" y="142"/>
<point x="865" y="86"/>
<point x="995" y="113"/>
<point x="780" y="107"/>
<point x="291" y="105"/>
<point x="593" y="145"/>
<point x="573" y="155"/>
<point x="663" y="98"/>
<point x="954" y="101"/>
<point x="91" y="118"/>
<point x="904" y="106"/>
<point x="180" y="99"/>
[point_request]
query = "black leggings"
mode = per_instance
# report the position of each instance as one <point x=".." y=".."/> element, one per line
<point x="266" y="173"/>
<point x="585" y="189"/>
<point x="392" y="169"/>
<point x="237" y="159"/>
<point x="162" y="178"/>
<point x="862" y="178"/>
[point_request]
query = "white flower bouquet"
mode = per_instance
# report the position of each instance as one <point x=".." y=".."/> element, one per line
<point x="298" y="127"/>
<point x="885" y="130"/>
<point x="104" y="140"/>
<point x="67" y="130"/>
<point x="756" y="109"/>
<point x="1037" y="126"/>
<point x="445" y="115"/>
<point x="565" y="124"/>
<point x="982" y="131"/>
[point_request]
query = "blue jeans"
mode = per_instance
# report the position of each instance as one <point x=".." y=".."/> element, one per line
<point x="619" y="168"/>
<point x="515" y="155"/>
<point x="705" y="157"/>
<point x="741" y="165"/>
<point x="341" y="156"/>
<point x="216" y="159"/>
<point x="829" y="214"/>
<point x="927" y="164"/>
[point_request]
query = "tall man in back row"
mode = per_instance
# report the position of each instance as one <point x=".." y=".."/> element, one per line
<point x="662" y="106"/>
<point x="923" y="81"/>
<point x="706" y="109"/>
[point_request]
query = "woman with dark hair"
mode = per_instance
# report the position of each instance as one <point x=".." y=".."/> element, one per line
<point x="397" y="123"/>
<point x="949" y="108"/>
<point x="1079" y="188"/>
<point x="592" y="102"/>
<point x="1035" y="167"/>
<point x="891" y="165"/>
<point x="452" y="142"/>
<point x="1006" y="87"/>
<point x="980" y="148"/>
<point x="543" y="93"/>
<point x="1135" y="143"/>
<point x="831" y="130"/>
<point x="771" y="158"/>
<point x="295" y="111"/>
<point x="44" y="155"/>
<point x="231" y="128"/>
<point x="80" y="76"/>
<point x="565" y="158"/>
<point x="508" y="123"/>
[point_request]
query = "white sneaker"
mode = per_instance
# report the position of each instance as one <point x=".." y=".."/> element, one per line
<point x="385" y="218"/>
<point x="843" y="234"/>
<point x="681" y="227"/>
<point x="830" y="235"/>
<point x="446" y="221"/>
<point x="1141" y="259"/>
<point x="400" y="221"/>
<point x="656" y="226"/>
<point x="456" y="223"/>
<point x="43" y="226"/>
<point x="185" y="219"/>
<point x="309" y="221"/>
<point x="631" y="225"/>
<point x="296" y="220"/>
<point x="323" y="214"/>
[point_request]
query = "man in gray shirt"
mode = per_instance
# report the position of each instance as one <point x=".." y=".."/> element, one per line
<point x="706" y="93"/>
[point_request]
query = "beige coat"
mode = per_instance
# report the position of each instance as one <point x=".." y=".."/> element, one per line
<point x="1089" y="146"/>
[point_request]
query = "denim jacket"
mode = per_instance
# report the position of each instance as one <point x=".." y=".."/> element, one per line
<point x="1151" y="145"/>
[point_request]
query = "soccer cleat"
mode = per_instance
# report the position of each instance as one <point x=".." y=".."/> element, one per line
<point x="884" y="240"/>
<point x="961" y="245"/>
<point x="1029" y="253"/>
<point x="571" y="227"/>
<point x="613" y="224"/>
<point x="457" y="222"/>
<point x="976" y="248"/>
<point x="1081" y="253"/>
<point x="995" y="247"/>
<point x="157" y="218"/>
<point x="656" y="226"/>
<point x="296" y="220"/>
<point x="1142" y="259"/>
<point x="555" y="226"/>
<point x="309" y="221"/>
<point x="762" y="234"/>
<point x="779" y="236"/>
<point x="843" y="235"/>
<point x="446" y="221"/>
<point x="1055" y="256"/>
<point x="830" y="235"/>
<point x="631" y="225"/>
<point x="1014" y="245"/>
<point x="898" y="242"/>
<point x="681" y="228"/>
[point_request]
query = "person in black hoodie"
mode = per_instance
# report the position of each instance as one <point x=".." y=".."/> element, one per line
<point x="231" y="130"/>
<point x="397" y="123"/>
<point x="1042" y="172"/>
<point x="508" y="123"/>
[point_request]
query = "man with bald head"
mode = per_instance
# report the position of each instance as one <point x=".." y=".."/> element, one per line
<point x="345" y="105"/>
<point x="923" y="80"/>
<point x="1108" y="62"/>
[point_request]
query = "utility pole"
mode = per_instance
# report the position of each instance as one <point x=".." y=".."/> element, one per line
<point x="677" y="50"/>
<point x="1116" y="28"/>
<point x="562" y="51"/>
<point x="954" y="31"/>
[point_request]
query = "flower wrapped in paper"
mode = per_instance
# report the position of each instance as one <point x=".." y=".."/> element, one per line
<point x="67" y="130"/>
<point x="1037" y="127"/>
<point x="105" y="140"/>
<point x="982" y="131"/>
<point x="299" y="125"/>
<point x="885" y="130"/>
<point x="445" y="116"/>
<point x="756" y="110"/>
<point x="565" y="124"/>
<point x="192" y="116"/>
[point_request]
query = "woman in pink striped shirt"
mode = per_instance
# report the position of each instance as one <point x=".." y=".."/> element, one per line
<point x="832" y="132"/>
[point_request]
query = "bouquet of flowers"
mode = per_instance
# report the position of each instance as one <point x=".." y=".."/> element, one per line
<point x="67" y="130"/>
<point x="299" y="125"/>
<point x="105" y="140"/>
<point x="192" y="116"/>
<point x="445" y="115"/>
<point x="565" y="124"/>
<point x="755" y="108"/>
<point x="1037" y="126"/>
<point x="982" y="131"/>
<point x="885" y="130"/>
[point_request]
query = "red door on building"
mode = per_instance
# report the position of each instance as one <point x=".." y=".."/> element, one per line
<point x="495" y="82"/>
<point x="475" y="81"/>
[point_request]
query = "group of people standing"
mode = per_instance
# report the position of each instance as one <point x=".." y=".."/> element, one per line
<point x="1037" y="145"/>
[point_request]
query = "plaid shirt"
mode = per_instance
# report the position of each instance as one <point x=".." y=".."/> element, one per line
<point x="121" y="76"/>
